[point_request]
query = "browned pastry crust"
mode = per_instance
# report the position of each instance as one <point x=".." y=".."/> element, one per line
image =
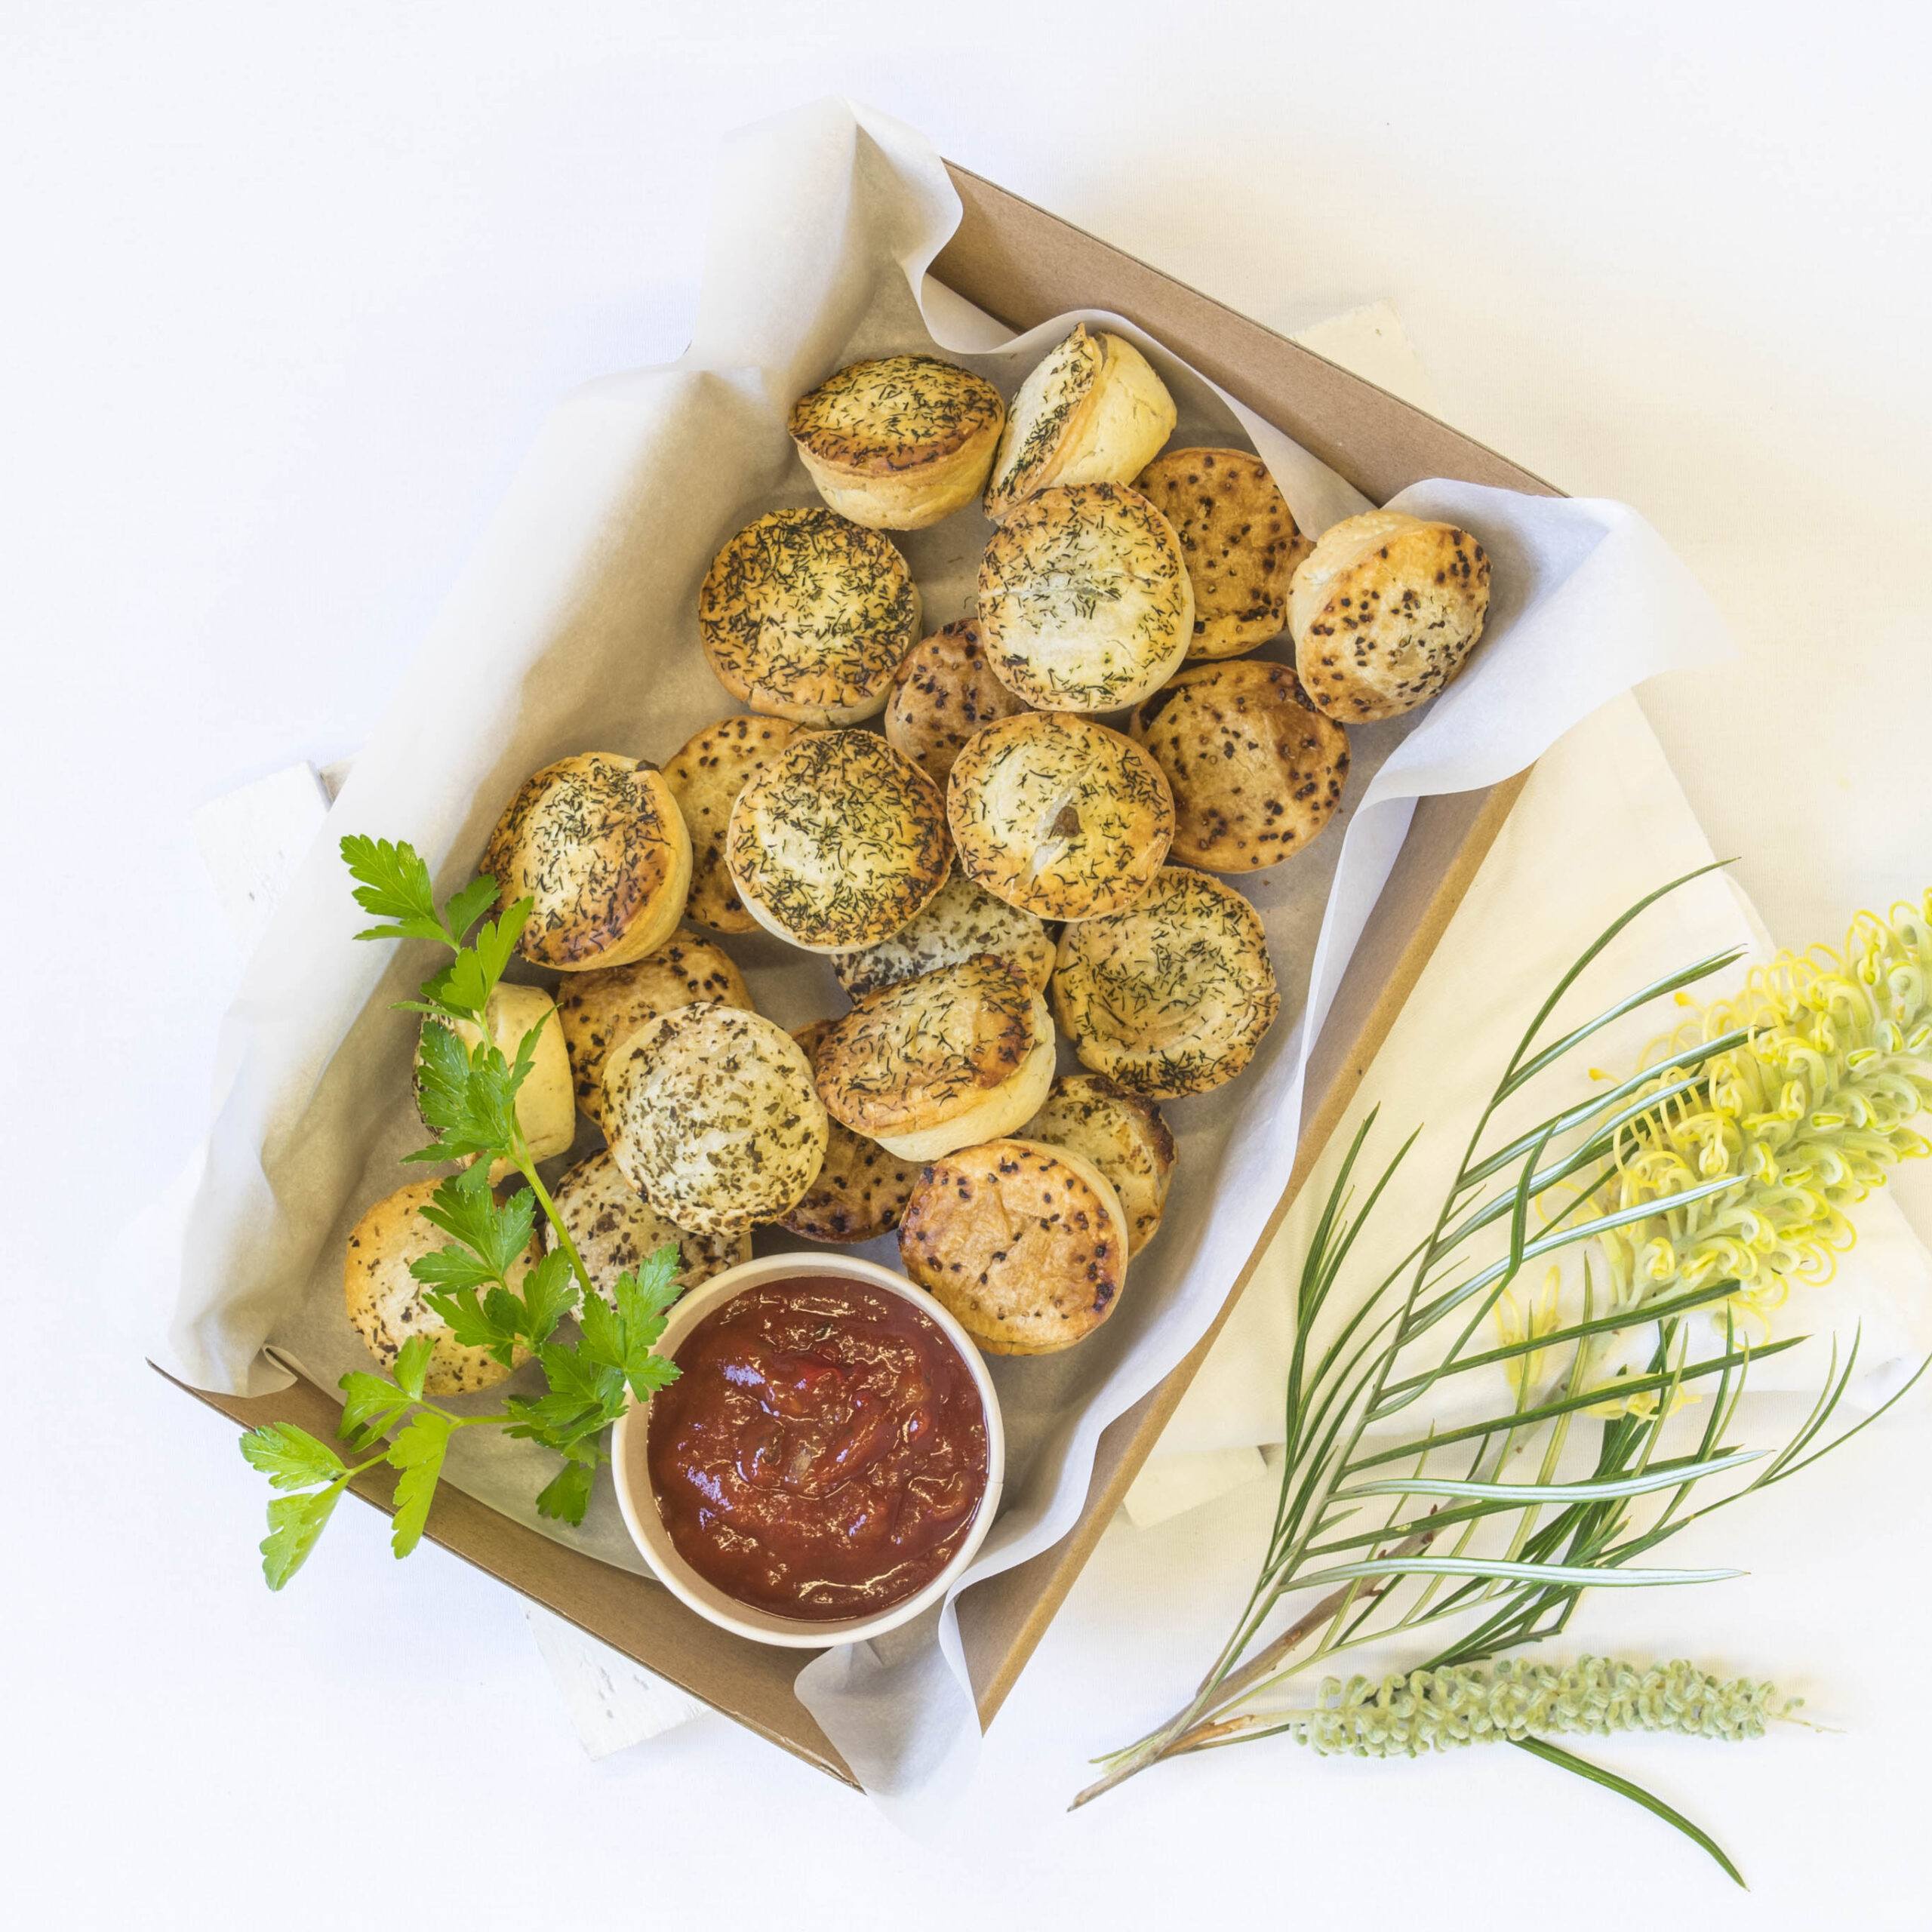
<point x="705" y="777"/>
<point x="384" y="1301"/>
<point x="1256" y="770"/>
<point x="1024" y="1244"/>
<point x="804" y="614"/>
<point x="1240" y="541"/>
<point x="838" y="842"/>
<point x="1123" y="1135"/>
<point x="1385" y="611"/>
<point x="616" y="1231"/>
<point x="944" y="692"/>
<point x="599" y="1009"/>
<point x="711" y="1114"/>
<point x="861" y="1191"/>
<point x="1058" y="816"/>
<point x="1173" y="995"/>
<point x="1084" y="603"/>
<point x="598" y="843"/>
<point x="898" y="443"/>
<point x="959" y="1054"/>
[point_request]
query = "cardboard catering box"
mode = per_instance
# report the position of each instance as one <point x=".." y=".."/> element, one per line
<point x="1024" y="266"/>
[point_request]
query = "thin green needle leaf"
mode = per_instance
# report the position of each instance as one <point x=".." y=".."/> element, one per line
<point x="1581" y="1767"/>
<point x="1582" y="1575"/>
<point x="1660" y="1475"/>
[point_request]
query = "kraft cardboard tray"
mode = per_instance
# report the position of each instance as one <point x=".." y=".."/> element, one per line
<point x="1022" y="265"/>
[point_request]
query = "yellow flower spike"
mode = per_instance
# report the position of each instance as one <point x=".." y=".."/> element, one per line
<point x="1810" y="1114"/>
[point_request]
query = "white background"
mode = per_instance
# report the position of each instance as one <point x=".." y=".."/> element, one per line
<point x="287" y="290"/>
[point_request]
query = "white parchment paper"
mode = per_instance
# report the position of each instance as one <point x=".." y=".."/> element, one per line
<point x="575" y="630"/>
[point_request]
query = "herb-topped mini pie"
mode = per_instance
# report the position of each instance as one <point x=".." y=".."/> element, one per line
<point x="965" y="919"/>
<point x="1384" y="612"/>
<point x="805" y="615"/>
<point x="1025" y="1245"/>
<point x="1060" y="815"/>
<point x="838" y="842"/>
<point x="712" y="1116"/>
<point x="960" y="1054"/>
<point x="1173" y="995"/>
<point x="899" y="443"/>
<point x="1241" y="541"/>
<point x="597" y="843"/>
<point x="1092" y="412"/>
<point x="1256" y="770"/>
<point x="1084" y="600"/>
<point x="599" y="1010"/>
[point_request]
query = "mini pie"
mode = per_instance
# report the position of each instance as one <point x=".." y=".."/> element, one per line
<point x="861" y="1192"/>
<point x="1025" y="1245"/>
<point x="805" y="615"/>
<point x="712" y="1116"/>
<point x="705" y="777"/>
<point x="1256" y="770"/>
<point x="1093" y="411"/>
<point x="1385" y="611"/>
<point x="1240" y="541"/>
<point x="1173" y="995"/>
<point x="838" y="842"/>
<point x="962" y="1054"/>
<point x="599" y="1010"/>
<point x="1123" y="1135"/>
<point x="598" y="843"/>
<point x="963" y="920"/>
<point x="899" y="443"/>
<point x="944" y="692"/>
<point x="385" y="1302"/>
<point x="545" y="1107"/>
<point x="616" y="1231"/>
<point x="1083" y="599"/>
<point x="1060" y="815"/>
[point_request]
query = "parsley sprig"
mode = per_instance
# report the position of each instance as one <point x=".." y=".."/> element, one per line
<point x="477" y="1284"/>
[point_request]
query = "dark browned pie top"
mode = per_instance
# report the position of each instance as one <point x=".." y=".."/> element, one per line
<point x="895" y="413"/>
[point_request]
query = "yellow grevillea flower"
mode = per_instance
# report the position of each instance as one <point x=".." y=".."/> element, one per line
<point x="1809" y="1114"/>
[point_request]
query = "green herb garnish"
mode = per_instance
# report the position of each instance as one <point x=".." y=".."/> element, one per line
<point x="467" y="1093"/>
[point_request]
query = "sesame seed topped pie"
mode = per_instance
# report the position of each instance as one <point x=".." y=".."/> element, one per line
<point x="597" y="842"/>
<point x="617" y="1230"/>
<point x="1241" y="540"/>
<point x="1385" y="611"/>
<point x="705" y="776"/>
<point x="1084" y="600"/>
<point x="944" y="692"/>
<point x="838" y="842"/>
<point x="1256" y="770"/>
<point x="805" y="614"/>
<point x="898" y="443"/>
<point x="1025" y="1245"/>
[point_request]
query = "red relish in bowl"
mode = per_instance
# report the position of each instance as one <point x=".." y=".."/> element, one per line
<point x="822" y="1453"/>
